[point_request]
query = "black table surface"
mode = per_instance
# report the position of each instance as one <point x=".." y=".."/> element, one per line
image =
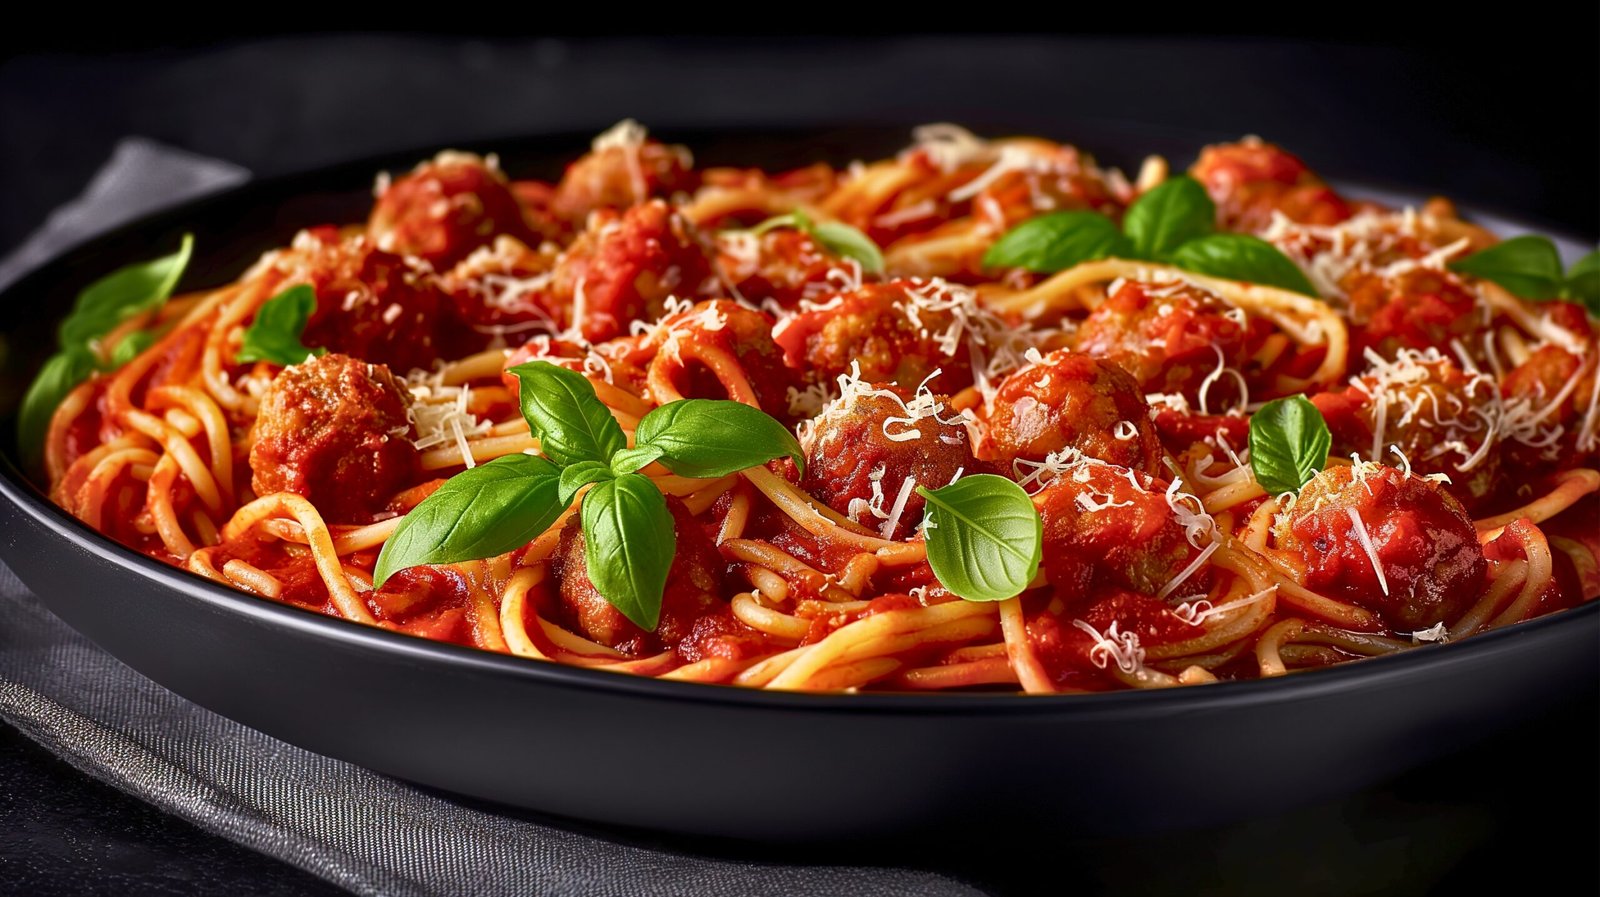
<point x="1477" y="821"/>
<point x="1499" y="124"/>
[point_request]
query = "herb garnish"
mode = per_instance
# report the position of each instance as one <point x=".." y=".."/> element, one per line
<point x="101" y="307"/>
<point x="1173" y="223"/>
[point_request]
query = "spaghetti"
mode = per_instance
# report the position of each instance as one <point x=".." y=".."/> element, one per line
<point x="1460" y="495"/>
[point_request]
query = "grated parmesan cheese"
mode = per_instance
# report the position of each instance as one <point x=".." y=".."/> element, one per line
<point x="1196" y="613"/>
<point x="1122" y="647"/>
<point x="439" y="413"/>
<point x="1435" y="633"/>
<point x="1093" y="501"/>
<point x="625" y="134"/>
<point x="858" y="508"/>
<point x="1034" y="476"/>
<point x="1359" y="529"/>
<point x="902" y="427"/>
<point x="629" y="137"/>
<point x="1012" y="157"/>
<point x="899" y="509"/>
<point x="1199" y="530"/>
<point x="1404" y="387"/>
<point x="948" y="146"/>
<point x="1218" y="373"/>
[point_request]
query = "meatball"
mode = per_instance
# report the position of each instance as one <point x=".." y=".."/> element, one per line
<point x="875" y="445"/>
<point x="446" y="208"/>
<point x="692" y="589"/>
<point x="745" y="335"/>
<point x="503" y="289"/>
<point x="1547" y="402"/>
<point x="1419" y="308"/>
<point x="623" y="268"/>
<point x="1419" y="562"/>
<point x="1441" y="418"/>
<point x="1068" y="400"/>
<point x="781" y="265"/>
<point x="370" y="303"/>
<point x="896" y="332"/>
<point x="1171" y="337"/>
<point x="1250" y="180"/>
<point x="334" y="430"/>
<point x="623" y="169"/>
<point x="1102" y="530"/>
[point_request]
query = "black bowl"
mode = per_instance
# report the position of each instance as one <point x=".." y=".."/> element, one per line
<point x="713" y="760"/>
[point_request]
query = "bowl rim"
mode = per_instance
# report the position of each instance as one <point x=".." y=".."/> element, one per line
<point x="198" y="593"/>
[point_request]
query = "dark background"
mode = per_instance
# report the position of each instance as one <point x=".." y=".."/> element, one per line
<point x="1499" y="111"/>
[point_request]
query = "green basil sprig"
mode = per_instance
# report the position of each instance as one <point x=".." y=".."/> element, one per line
<point x="275" y="333"/>
<point x="1583" y="282"/>
<point x="1169" y="215"/>
<point x="130" y="346"/>
<point x="628" y="545"/>
<point x="60" y="374"/>
<point x="132" y="290"/>
<point x="1530" y="267"/>
<point x="562" y="411"/>
<point x="1289" y="444"/>
<point x="125" y="292"/>
<point x="835" y="236"/>
<point x="1174" y="223"/>
<point x="480" y="513"/>
<point x="1058" y="241"/>
<point x="582" y="473"/>
<point x="985" y="537"/>
<point x="707" y="439"/>
<point x="629" y="540"/>
<point x="1242" y="257"/>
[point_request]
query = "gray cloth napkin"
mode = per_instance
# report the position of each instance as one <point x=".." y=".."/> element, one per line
<point x="363" y="831"/>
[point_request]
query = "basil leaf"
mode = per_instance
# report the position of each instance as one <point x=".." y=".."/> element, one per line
<point x="630" y="460"/>
<point x="797" y="219"/>
<point x="629" y="541"/>
<point x="125" y="292"/>
<point x="479" y="513"/>
<point x="1289" y="444"/>
<point x="711" y="438"/>
<point x="835" y="236"/>
<point x="562" y="410"/>
<point x="1056" y="242"/>
<point x="985" y="538"/>
<point x="576" y="476"/>
<point x="60" y="374"/>
<point x="274" y="335"/>
<point x="1242" y="257"/>
<point x="845" y="241"/>
<point x="1168" y="216"/>
<point x="130" y="346"/>
<point x="1528" y="266"/>
<point x="1583" y="283"/>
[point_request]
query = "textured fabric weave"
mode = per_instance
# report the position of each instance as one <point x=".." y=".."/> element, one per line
<point x="358" y="829"/>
